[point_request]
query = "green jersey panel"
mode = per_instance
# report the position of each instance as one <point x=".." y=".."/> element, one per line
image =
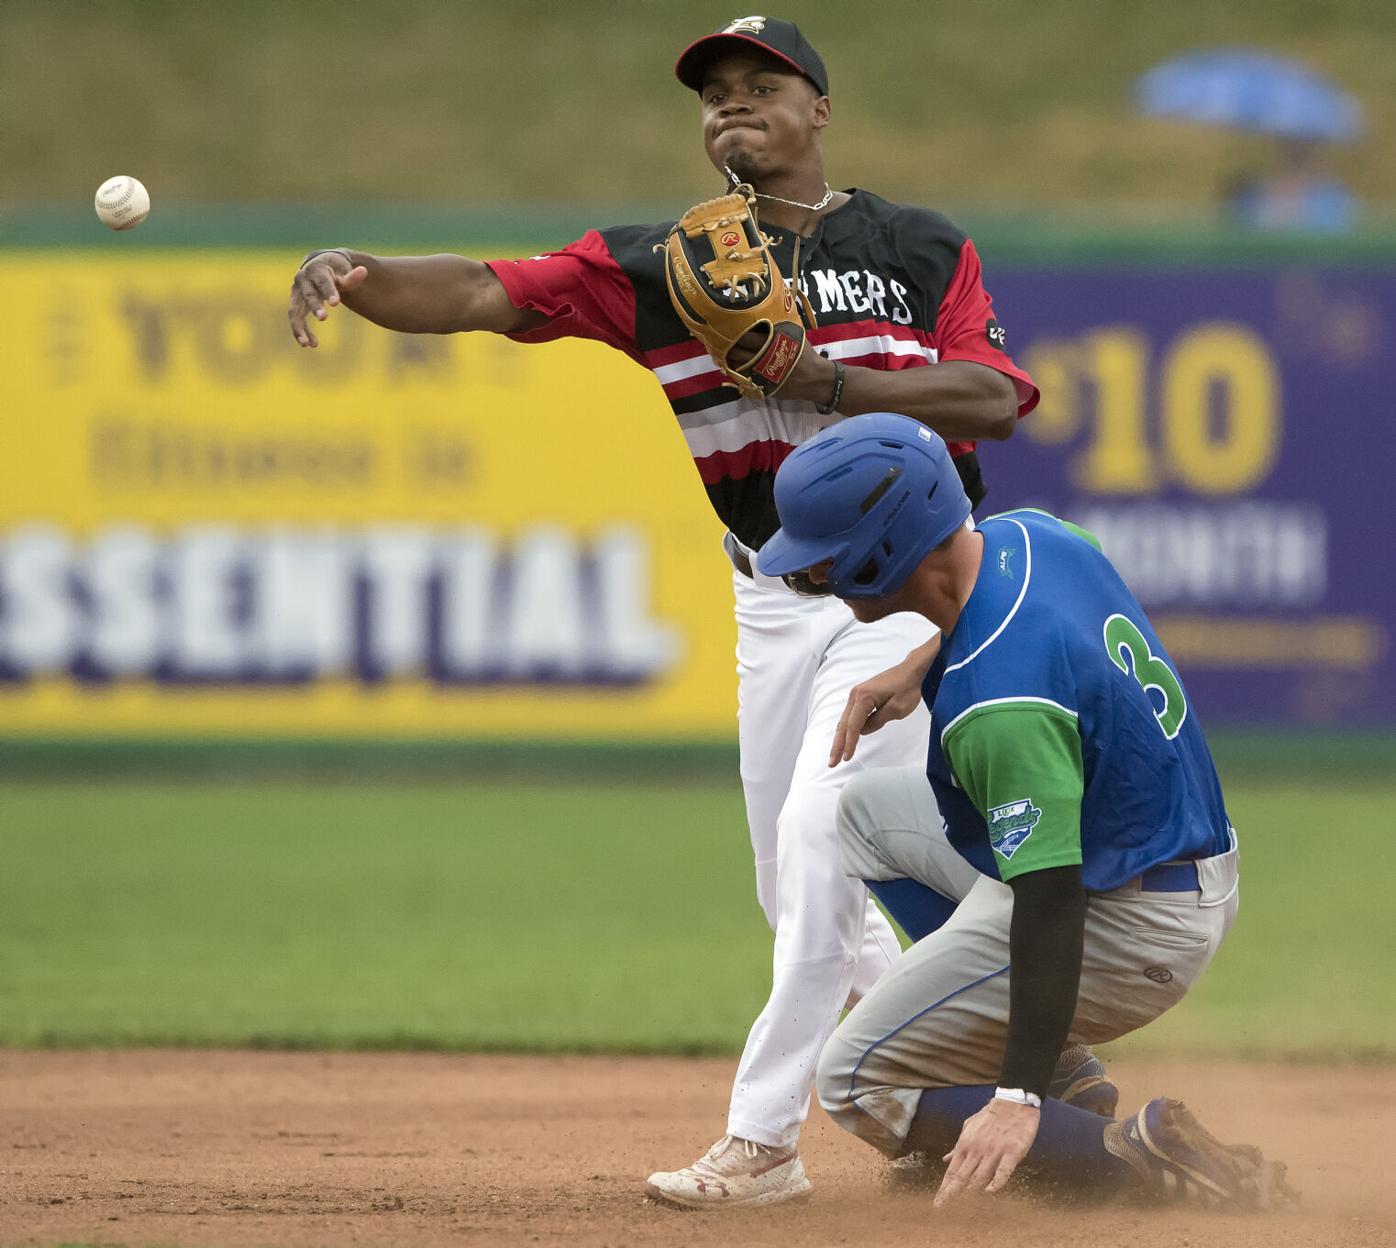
<point x="1019" y="762"/>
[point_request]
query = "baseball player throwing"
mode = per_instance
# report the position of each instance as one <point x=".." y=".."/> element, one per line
<point x="884" y="291"/>
<point x="1084" y="845"/>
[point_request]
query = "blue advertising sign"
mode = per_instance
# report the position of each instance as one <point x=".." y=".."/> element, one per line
<point x="1228" y="435"/>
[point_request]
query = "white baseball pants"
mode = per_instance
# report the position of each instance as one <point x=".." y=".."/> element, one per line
<point x="797" y="658"/>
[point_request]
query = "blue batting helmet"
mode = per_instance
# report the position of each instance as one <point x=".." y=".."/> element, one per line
<point x="872" y="496"/>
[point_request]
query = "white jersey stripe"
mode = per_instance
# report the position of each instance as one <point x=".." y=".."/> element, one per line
<point x="839" y="349"/>
<point x="684" y="369"/>
<point x="1004" y="702"/>
<point x="1027" y="576"/>
<point x="880" y="344"/>
<point x="752" y="423"/>
<point x="768" y="419"/>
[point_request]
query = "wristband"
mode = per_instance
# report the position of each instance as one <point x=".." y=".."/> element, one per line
<point x="827" y="409"/>
<point x="324" y="251"/>
<point x="1018" y="1097"/>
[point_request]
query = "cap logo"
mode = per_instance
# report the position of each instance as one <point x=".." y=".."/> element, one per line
<point x="753" y="25"/>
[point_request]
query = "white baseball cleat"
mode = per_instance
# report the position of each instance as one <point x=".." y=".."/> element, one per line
<point x="733" y="1172"/>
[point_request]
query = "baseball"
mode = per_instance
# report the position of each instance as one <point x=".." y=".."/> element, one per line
<point x="122" y="203"/>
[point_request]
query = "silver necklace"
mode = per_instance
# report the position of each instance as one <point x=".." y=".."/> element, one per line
<point x="794" y="203"/>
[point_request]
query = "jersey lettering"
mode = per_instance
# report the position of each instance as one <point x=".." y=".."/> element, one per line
<point x="1122" y="637"/>
<point x="876" y="294"/>
<point x="853" y="288"/>
<point x="859" y="291"/>
<point x="830" y="292"/>
<point x="901" y="314"/>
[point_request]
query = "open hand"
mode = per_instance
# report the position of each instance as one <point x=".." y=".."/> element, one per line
<point x="888" y="696"/>
<point x="316" y="289"/>
<point x="991" y="1145"/>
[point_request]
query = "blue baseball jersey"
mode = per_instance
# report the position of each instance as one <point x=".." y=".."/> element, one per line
<point x="1061" y="733"/>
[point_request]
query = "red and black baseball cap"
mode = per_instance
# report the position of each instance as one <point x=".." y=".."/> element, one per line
<point x="781" y="40"/>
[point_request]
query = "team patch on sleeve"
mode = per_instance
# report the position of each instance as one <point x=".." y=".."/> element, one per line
<point x="1011" y="824"/>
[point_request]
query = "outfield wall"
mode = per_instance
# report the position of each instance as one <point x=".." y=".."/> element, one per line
<point x="1227" y="435"/>
<point x="208" y="534"/>
<point x="211" y="531"/>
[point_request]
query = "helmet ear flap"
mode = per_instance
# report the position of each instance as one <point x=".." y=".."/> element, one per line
<point x="871" y="568"/>
<point x="868" y="573"/>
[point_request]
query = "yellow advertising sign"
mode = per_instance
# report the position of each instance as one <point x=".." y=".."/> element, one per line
<point x="206" y="530"/>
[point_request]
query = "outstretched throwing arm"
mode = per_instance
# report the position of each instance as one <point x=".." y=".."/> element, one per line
<point x="443" y="294"/>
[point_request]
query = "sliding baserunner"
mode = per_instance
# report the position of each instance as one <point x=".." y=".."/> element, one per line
<point x="1085" y="870"/>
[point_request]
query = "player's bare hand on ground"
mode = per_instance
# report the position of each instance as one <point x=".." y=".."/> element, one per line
<point x="316" y="290"/>
<point x="888" y="696"/>
<point x="991" y="1145"/>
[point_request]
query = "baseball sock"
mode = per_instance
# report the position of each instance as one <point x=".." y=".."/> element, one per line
<point x="1069" y="1151"/>
<point x="917" y="909"/>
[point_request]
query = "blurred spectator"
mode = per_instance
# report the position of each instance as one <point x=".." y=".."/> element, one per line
<point x="1297" y="194"/>
<point x="1250" y="89"/>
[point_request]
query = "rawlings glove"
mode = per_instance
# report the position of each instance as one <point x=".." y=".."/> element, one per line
<point x="738" y="290"/>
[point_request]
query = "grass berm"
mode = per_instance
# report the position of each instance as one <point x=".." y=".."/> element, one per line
<point x="1014" y="105"/>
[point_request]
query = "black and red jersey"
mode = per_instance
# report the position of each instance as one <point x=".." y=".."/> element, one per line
<point x="891" y="286"/>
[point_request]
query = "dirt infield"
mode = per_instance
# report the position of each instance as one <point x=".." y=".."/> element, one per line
<point x="228" y="1149"/>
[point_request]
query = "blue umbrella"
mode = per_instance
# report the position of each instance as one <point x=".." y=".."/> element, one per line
<point x="1250" y="91"/>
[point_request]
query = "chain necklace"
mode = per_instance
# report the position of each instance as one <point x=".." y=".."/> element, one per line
<point x="794" y="203"/>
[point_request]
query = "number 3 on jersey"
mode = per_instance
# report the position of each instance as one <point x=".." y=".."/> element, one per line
<point x="1123" y="637"/>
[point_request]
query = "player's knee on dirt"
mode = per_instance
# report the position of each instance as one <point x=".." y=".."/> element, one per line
<point x="833" y="1082"/>
<point x="879" y="1116"/>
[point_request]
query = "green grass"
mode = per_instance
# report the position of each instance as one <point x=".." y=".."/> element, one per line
<point x="557" y="916"/>
<point x="448" y="915"/>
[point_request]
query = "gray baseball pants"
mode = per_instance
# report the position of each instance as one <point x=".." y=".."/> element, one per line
<point x="939" y="1017"/>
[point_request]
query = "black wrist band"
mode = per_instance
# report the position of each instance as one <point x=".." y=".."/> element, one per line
<point x="325" y="251"/>
<point x="828" y="409"/>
